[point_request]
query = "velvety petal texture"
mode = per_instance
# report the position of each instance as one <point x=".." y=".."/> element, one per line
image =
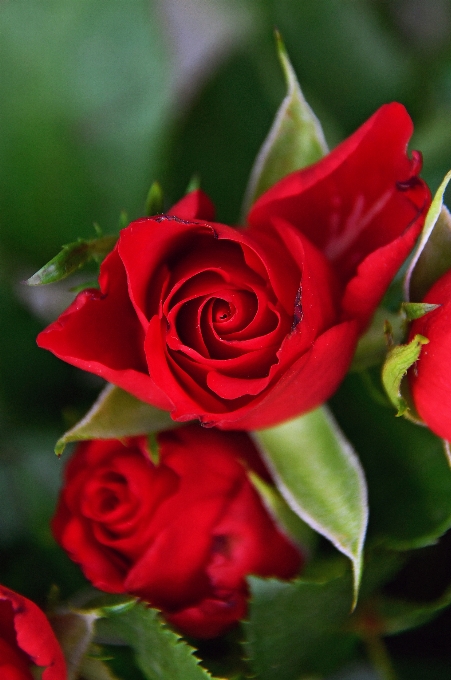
<point x="430" y="377"/>
<point x="183" y="534"/>
<point x="27" y="641"/>
<point x="246" y="328"/>
<point x="363" y="200"/>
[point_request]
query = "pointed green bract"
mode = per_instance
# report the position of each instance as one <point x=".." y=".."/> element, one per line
<point x="372" y="346"/>
<point x="160" y="653"/>
<point x="321" y="479"/>
<point x="295" y="139"/>
<point x="398" y="361"/>
<point x="154" y="201"/>
<point x="71" y="258"/>
<point x="432" y="256"/>
<point x="415" y="310"/>
<point x="193" y="184"/>
<point x="114" y="415"/>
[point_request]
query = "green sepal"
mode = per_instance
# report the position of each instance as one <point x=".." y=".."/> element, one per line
<point x="116" y="414"/>
<point x="372" y="346"/>
<point x="432" y="256"/>
<point x="154" y="449"/>
<point x="415" y="310"/>
<point x="154" y="200"/>
<point x="294" y="141"/>
<point x="159" y="652"/>
<point x="283" y="515"/>
<point x="75" y="629"/>
<point x="100" y="604"/>
<point x="193" y="184"/>
<point x="399" y="360"/>
<point x="123" y="219"/>
<point x="321" y="479"/>
<point x="75" y="632"/>
<point x="71" y="258"/>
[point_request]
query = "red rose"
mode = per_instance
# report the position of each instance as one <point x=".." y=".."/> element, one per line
<point x="246" y="328"/>
<point x="27" y="640"/>
<point x="182" y="535"/>
<point x="430" y="377"/>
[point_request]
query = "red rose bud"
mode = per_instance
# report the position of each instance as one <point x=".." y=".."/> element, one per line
<point x="243" y="329"/>
<point x="27" y="641"/>
<point x="430" y="377"/>
<point x="182" y="535"/>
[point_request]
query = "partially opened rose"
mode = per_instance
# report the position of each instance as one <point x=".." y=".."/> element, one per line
<point x="243" y="328"/>
<point x="430" y="377"/>
<point x="183" y="535"/>
<point x="27" y="642"/>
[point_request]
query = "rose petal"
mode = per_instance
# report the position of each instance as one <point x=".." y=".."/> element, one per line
<point x="194" y="206"/>
<point x="306" y="384"/>
<point x="364" y="292"/>
<point x="212" y="616"/>
<point x="358" y="198"/>
<point x="35" y="636"/>
<point x="171" y="574"/>
<point x="430" y="377"/>
<point x="100" y="333"/>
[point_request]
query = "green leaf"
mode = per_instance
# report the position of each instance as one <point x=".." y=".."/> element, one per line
<point x="398" y="361"/>
<point x="114" y="415"/>
<point x="160" y="653"/>
<point x="100" y="604"/>
<point x="432" y="256"/>
<point x="415" y="310"/>
<point x="75" y="633"/>
<point x="154" y="201"/>
<point x="94" y="669"/>
<point x="320" y="477"/>
<point x="408" y="477"/>
<point x="294" y="141"/>
<point x="71" y="258"/>
<point x="294" y="628"/>
<point x="395" y="616"/>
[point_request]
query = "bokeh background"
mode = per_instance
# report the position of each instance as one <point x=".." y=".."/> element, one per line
<point x="98" y="100"/>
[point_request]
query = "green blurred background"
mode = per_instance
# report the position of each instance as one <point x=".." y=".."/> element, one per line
<point x="98" y="100"/>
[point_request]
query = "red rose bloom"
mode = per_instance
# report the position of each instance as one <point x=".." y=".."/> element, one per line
<point x="182" y="535"/>
<point x="430" y="377"/>
<point x="246" y="328"/>
<point x="27" y="640"/>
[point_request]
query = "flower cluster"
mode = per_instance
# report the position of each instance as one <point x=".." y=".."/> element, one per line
<point x="240" y="329"/>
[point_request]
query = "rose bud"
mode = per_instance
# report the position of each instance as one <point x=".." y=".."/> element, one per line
<point x="27" y="641"/>
<point x="430" y="376"/>
<point x="243" y="329"/>
<point x="183" y="534"/>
